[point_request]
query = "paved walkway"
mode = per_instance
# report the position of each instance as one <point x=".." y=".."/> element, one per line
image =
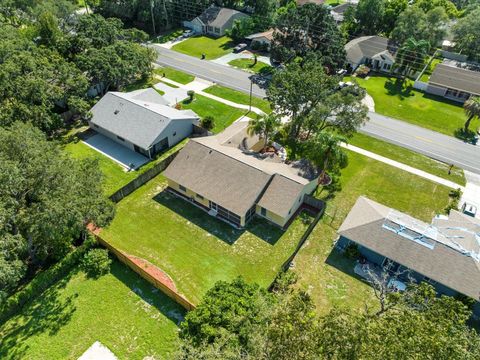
<point x="471" y="193"/>
<point x="404" y="167"/>
<point x="172" y="95"/>
<point x="198" y="85"/>
<point x="98" y="351"/>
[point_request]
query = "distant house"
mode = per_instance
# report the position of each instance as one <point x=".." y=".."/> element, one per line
<point x="226" y="176"/>
<point x="214" y="21"/>
<point x="141" y="121"/>
<point x="454" y="83"/>
<point x="373" y="51"/>
<point x="338" y="11"/>
<point x="445" y="253"/>
<point x="262" y="39"/>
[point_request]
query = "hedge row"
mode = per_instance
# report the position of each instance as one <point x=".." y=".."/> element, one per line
<point x="43" y="281"/>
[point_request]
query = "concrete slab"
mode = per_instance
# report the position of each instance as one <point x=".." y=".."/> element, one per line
<point x="471" y="193"/>
<point x="98" y="351"/>
<point x="116" y="152"/>
<point x="224" y="60"/>
<point x="172" y="95"/>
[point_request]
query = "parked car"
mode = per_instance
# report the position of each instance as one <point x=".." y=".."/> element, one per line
<point x="187" y="34"/>
<point x="240" y="47"/>
<point x="469" y="209"/>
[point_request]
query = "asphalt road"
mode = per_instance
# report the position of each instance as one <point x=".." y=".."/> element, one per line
<point x="430" y="143"/>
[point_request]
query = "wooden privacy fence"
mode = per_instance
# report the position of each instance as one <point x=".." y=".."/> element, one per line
<point x="142" y="178"/>
<point x="149" y="272"/>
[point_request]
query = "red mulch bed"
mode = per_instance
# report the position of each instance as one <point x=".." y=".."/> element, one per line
<point x="153" y="271"/>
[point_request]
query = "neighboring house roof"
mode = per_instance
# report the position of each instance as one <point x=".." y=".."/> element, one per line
<point x="339" y="11"/>
<point x="220" y="17"/>
<point x="268" y="35"/>
<point x="316" y="2"/>
<point x="456" y="78"/>
<point x="217" y="168"/>
<point x="138" y="116"/>
<point x="447" y="251"/>
<point x="368" y="47"/>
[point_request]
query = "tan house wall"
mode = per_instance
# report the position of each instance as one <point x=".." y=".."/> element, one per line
<point x="276" y="219"/>
<point x="191" y="194"/>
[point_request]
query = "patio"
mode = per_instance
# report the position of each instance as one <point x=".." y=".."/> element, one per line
<point x="126" y="158"/>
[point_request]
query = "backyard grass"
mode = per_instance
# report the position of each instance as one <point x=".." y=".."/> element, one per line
<point x="115" y="176"/>
<point x="224" y="115"/>
<point x="141" y="84"/>
<point x="195" y="249"/>
<point x="246" y="64"/>
<point x="211" y="47"/>
<point x="239" y="97"/>
<point x="175" y="75"/>
<point x="327" y="274"/>
<point x="405" y="103"/>
<point x="120" y="309"/>
<point x="408" y="157"/>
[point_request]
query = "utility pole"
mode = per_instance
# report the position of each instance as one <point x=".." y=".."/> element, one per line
<point x="251" y="89"/>
<point x="152" y="4"/>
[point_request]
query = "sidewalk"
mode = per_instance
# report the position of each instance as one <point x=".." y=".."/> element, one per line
<point x="198" y="85"/>
<point x="404" y="167"/>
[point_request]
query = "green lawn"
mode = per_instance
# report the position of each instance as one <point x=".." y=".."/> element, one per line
<point x="141" y="84"/>
<point x="405" y="103"/>
<point x="408" y="157"/>
<point x="175" y="75"/>
<point x="426" y="75"/>
<point x="211" y="47"/>
<point x="239" y="97"/>
<point x="224" y="115"/>
<point x="115" y="176"/>
<point x="169" y="35"/>
<point x="246" y="64"/>
<point x="327" y="274"/>
<point x="121" y="310"/>
<point x="195" y="249"/>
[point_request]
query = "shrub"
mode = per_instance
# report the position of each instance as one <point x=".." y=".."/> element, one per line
<point x="208" y="122"/>
<point x="191" y="94"/>
<point x="352" y="251"/>
<point x="362" y="71"/>
<point x="96" y="263"/>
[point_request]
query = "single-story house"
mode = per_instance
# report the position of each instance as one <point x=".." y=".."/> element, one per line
<point x="214" y="21"/>
<point x="261" y="39"/>
<point x="226" y="176"/>
<point x="338" y="12"/>
<point x="454" y="83"/>
<point x="141" y="120"/>
<point x="445" y="253"/>
<point x="373" y="51"/>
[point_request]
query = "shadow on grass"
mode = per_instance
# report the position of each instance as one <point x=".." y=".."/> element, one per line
<point x="399" y="87"/>
<point x="468" y="136"/>
<point x="154" y="297"/>
<point x="340" y="262"/>
<point x="225" y="232"/>
<point x="45" y="314"/>
<point x="228" y="45"/>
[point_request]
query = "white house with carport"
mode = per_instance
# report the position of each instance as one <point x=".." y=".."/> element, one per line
<point x="214" y="21"/>
<point x="142" y="121"/>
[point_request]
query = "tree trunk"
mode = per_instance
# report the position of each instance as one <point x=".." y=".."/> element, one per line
<point x="467" y="123"/>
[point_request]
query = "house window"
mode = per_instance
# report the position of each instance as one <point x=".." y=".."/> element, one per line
<point x="217" y="30"/>
<point x="120" y="138"/>
<point x="183" y="188"/>
<point x="429" y="281"/>
<point x="175" y="133"/>
<point x="200" y="197"/>
<point x="210" y="28"/>
<point x="263" y="211"/>
<point x="386" y="66"/>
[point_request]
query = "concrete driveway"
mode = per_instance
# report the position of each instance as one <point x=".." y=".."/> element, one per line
<point x="171" y="94"/>
<point x="116" y="152"/>
<point x="224" y="60"/>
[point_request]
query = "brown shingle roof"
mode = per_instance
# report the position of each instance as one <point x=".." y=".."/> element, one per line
<point x="456" y="78"/>
<point x="442" y="263"/>
<point x="281" y="195"/>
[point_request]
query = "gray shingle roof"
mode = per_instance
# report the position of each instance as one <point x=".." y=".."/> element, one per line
<point x="217" y="177"/>
<point x="139" y="116"/>
<point x="456" y="78"/>
<point x="280" y="195"/>
<point x="220" y="17"/>
<point x="366" y="46"/>
<point x="444" y="263"/>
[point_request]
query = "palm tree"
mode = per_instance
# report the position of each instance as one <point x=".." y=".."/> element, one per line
<point x="264" y="127"/>
<point x="325" y="152"/>
<point x="472" y="109"/>
<point x="412" y="55"/>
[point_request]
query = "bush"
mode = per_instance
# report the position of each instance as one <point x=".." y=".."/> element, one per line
<point x="352" y="251"/>
<point x="43" y="281"/>
<point x="362" y="71"/>
<point x="191" y="94"/>
<point x="96" y="263"/>
<point x="208" y="122"/>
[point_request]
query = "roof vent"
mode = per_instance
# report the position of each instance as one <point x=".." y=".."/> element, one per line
<point x="116" y="112"/>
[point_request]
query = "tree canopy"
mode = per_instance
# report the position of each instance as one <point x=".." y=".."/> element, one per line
<point x="467" y="35"/>
<point x="46" y="199"/>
